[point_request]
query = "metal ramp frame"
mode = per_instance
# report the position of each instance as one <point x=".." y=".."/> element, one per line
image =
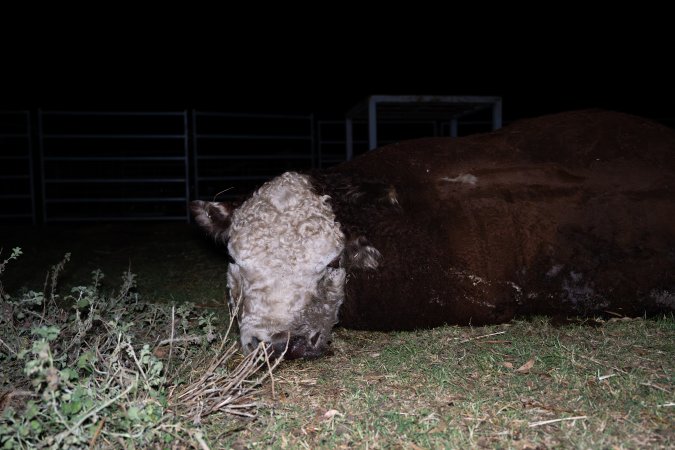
<point x="441" y="108"/>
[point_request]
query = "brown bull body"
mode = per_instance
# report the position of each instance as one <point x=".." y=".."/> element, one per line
<point x="568" y="214"/>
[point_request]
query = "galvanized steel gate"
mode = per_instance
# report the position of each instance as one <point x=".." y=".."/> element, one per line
<point x="17" y="196"/>
<point x="74" y="166"/>
<point x="116" y="166"/>
<point x="113" y="165"/>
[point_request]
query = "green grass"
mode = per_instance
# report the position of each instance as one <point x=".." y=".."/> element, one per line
<point x="88" y="367"/>
<point x="450" y="387"/>
<point x="173" y="261"/>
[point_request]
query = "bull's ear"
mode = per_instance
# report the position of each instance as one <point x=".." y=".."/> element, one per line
<point x="214" y="217"/>
<point x="360" y="254"/>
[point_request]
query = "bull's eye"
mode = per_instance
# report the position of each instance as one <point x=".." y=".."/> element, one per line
<point x="335" y="263"/>
<point x="314" y="339"/>
<point x="230" y="259"/>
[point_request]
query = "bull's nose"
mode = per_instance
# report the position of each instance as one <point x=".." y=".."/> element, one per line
<point x="281" y="342"/>
<point x="279" y="349"/>
<point x="252" y="344"/>
<point x="289" y="345"/>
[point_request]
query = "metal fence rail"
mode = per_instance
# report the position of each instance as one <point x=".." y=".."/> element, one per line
<point x="17" y="196"/>
<point x="332" y="138"/>
<point x="113" y="165"/>
<point x="233" y="153"/>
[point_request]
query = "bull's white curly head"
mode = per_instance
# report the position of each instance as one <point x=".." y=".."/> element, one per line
<point x="287" y="272"/>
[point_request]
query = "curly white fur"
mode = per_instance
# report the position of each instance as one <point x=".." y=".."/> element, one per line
<point x="282" y="240"/>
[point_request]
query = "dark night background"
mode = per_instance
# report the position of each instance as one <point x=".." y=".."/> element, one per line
<point x="527" y="97"/>
<point x="122" y="60"/>
<point x="251" y="69"/>
<point x="326" y="71"/>
<point x="279" y="59"/>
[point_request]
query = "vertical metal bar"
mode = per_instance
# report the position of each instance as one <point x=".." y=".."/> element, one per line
<point x="453" y="127"/>
<point x="497" y="115"/>
<point x="195" y="153"/>
<point x="29" y="136"/>
<point x="186" y="164"/>
<point x="349" y="139"/>
<point x="319" y="146"/>
<point x="372" y="123"/>
<point x="312" y="140"/>
<point x="43" y="187"/>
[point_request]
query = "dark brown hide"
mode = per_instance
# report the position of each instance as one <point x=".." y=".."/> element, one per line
<point x="571" y="213"/>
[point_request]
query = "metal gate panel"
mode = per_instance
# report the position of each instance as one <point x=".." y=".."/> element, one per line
<point x="110" y="166"/>
<point x="17" y="190"/>
<point x="233" y="153"/>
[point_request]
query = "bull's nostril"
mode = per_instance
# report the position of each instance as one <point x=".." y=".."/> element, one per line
<point x="253" y="344"/>
<point x="283" y="344"/>
<point x="279" y="348"/>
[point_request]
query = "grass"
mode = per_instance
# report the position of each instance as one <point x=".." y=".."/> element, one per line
<point x="97" y="369"/>
<point x="450" y="388"/>
<point x="523" y="385"/>
<point x="172" y="261"/>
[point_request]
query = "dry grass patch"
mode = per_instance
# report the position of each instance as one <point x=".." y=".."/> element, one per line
<point x="90" y="368"/>
<point x="604" y="384"/>
<point x="522" y="385"/>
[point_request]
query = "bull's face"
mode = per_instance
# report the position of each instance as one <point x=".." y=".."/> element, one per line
<point x="287" y="271"/>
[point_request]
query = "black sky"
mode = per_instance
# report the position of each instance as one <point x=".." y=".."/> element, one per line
<point x="328" y="80"/>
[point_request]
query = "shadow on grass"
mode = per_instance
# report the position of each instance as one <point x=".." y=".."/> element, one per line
<point x="173" y="261"/>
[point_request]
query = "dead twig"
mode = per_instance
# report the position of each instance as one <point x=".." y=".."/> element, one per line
<point x="601" y="363"/>
<point x="655" y="386"/>
<point x="604" y="377"/>
<point x="8" y="347"/>
<point x="482" y="336"/>
<point x="269" y="368"/>
<point x="59" y="437"/>
<point x="224" y="389"/>
<point x="546" y="422"/>
<point x="97" y="432"/>
<point x="179" y="339"/>
<point x="199" y="437"/>
<point x="173" y="329"/>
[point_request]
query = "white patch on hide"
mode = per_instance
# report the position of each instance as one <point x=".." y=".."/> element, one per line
<point x="282" y="239"/>
<point x="392" y="196"/>
<point x="475" y="279"/>
<point x="517" y="288"/>
<point x="663" y="298"/>
<point x="366" y="257"/>
<point x="554" y="271"/>
<point x="581" y="294"/>
<point x="466" y="178"/>
<point x="518" y="295"/>
<point x="480" y="285"/>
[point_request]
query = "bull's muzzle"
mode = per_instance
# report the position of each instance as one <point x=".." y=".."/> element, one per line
<point x="290" y="346"/>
